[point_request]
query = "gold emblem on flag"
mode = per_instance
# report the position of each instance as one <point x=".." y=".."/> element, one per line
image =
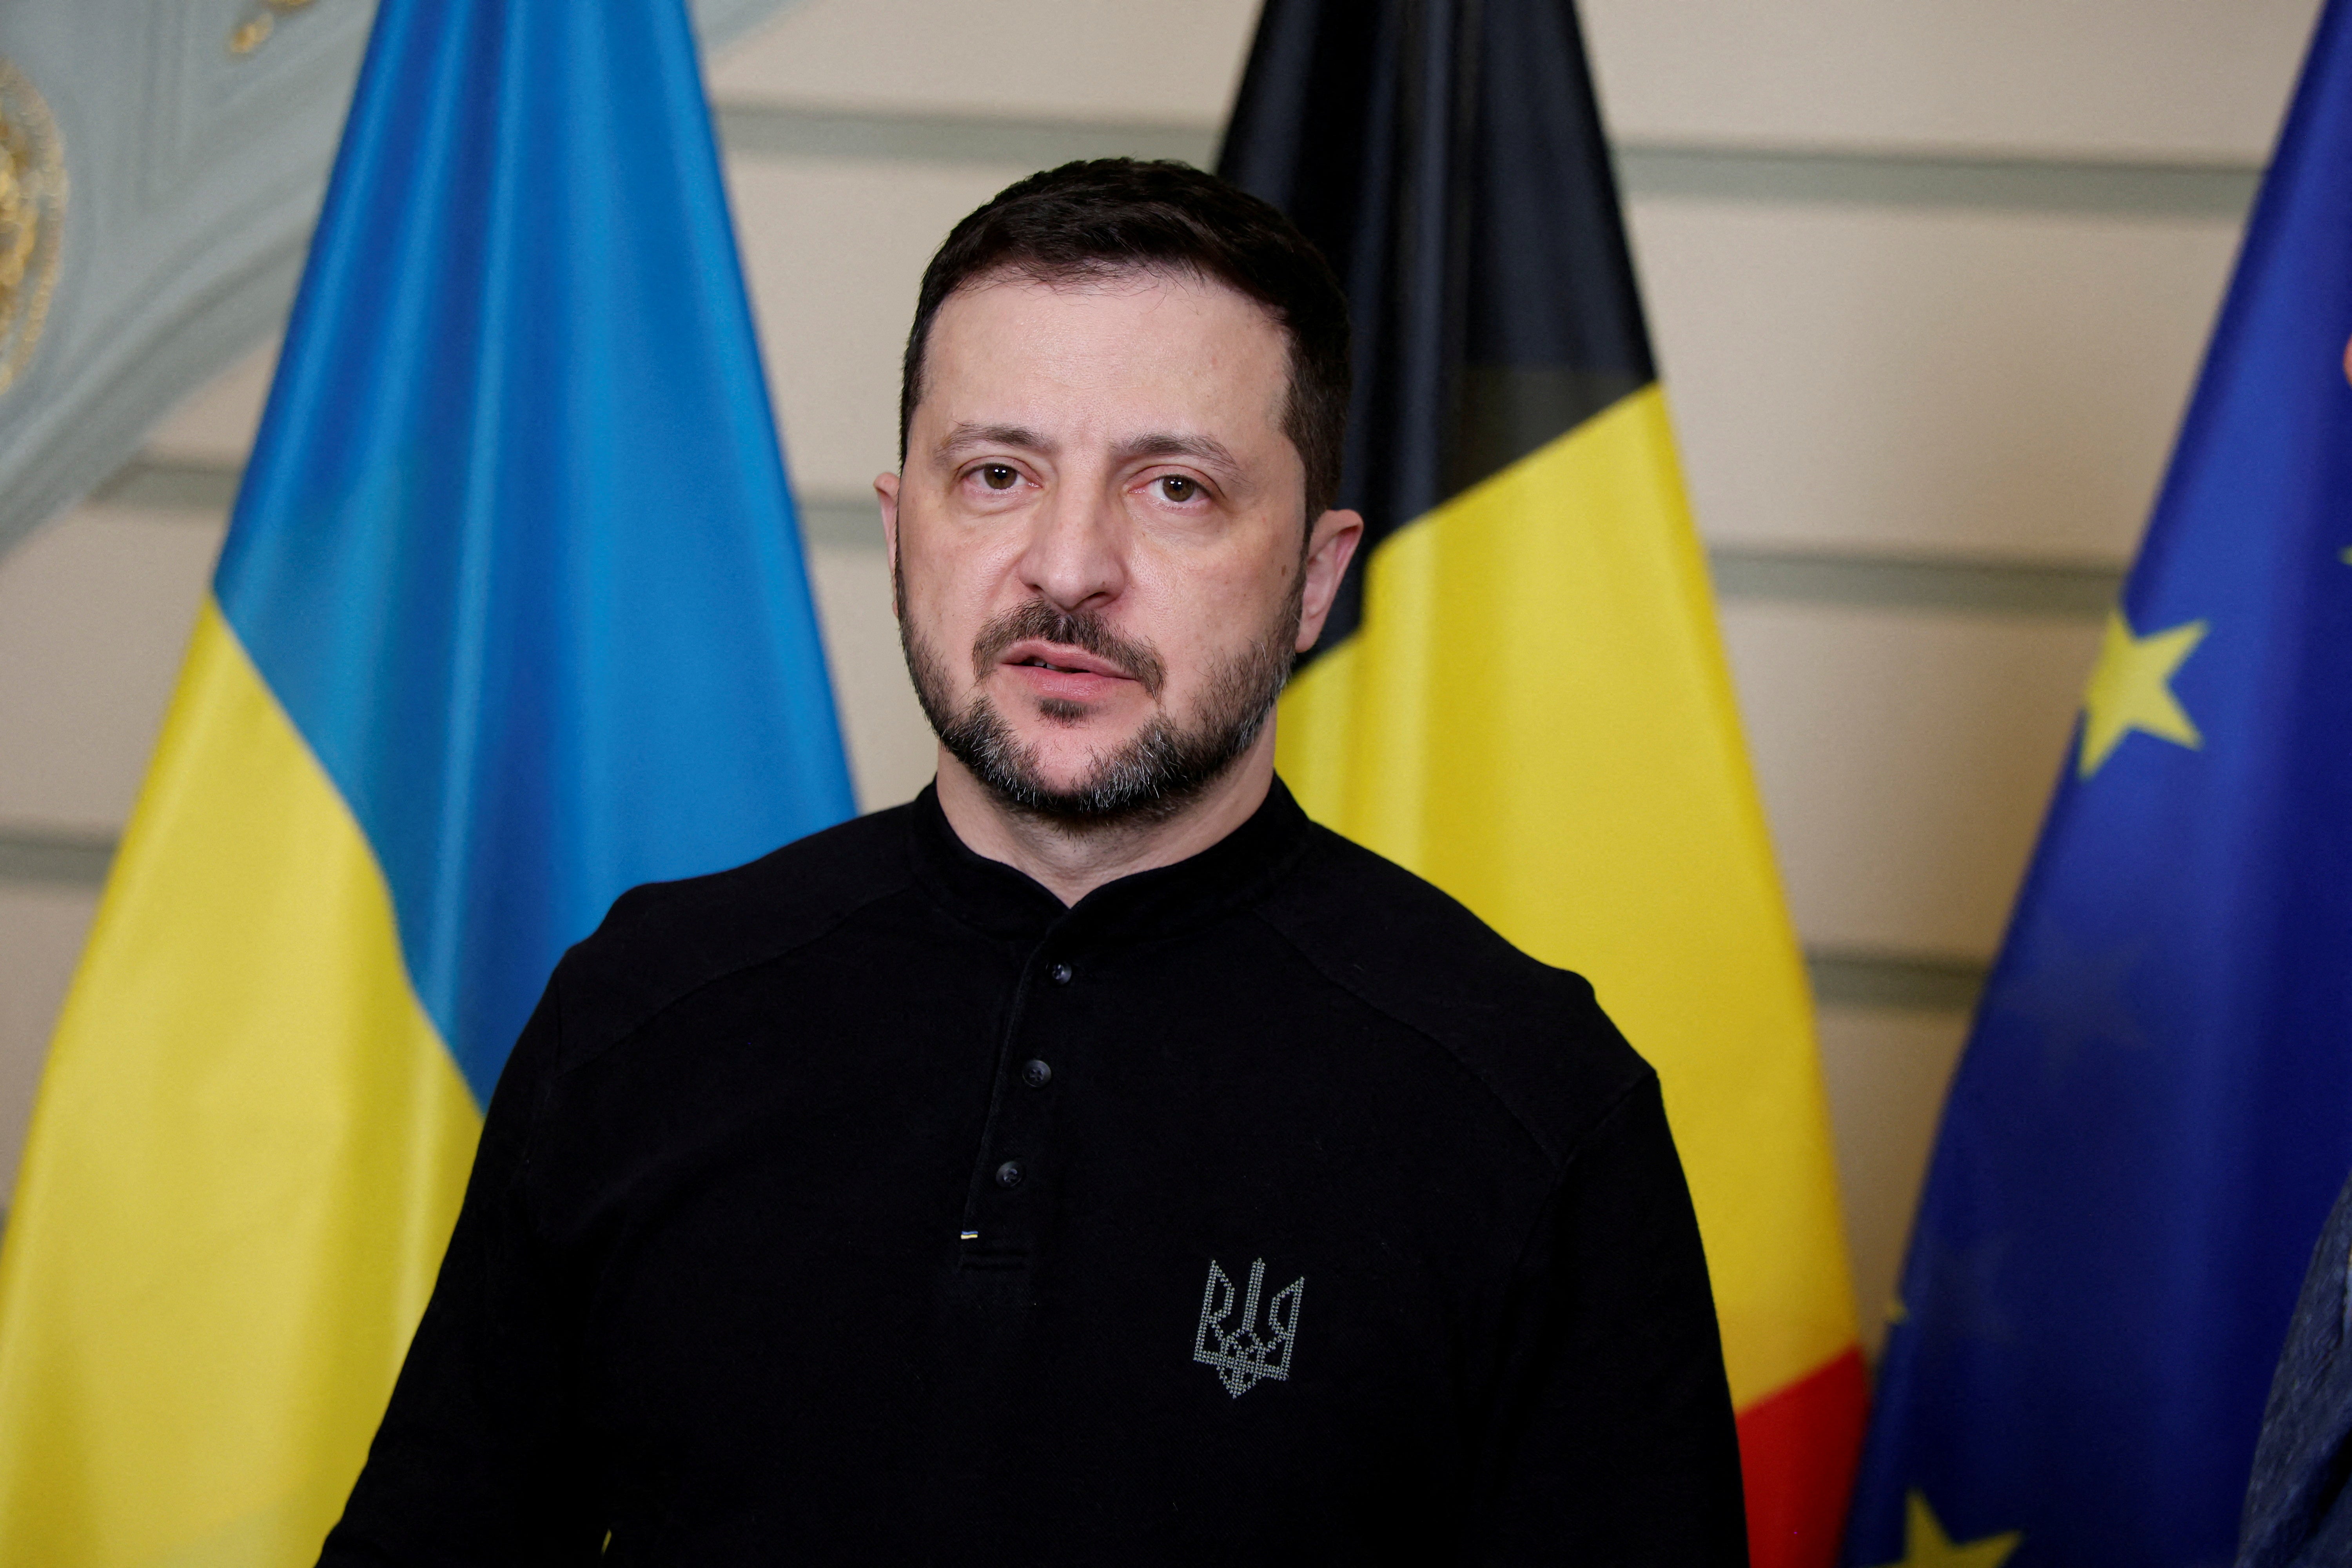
<point x="32" y="217"/>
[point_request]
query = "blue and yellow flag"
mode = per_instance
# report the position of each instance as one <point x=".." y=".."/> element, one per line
<point x="2155" y="1110"/>
<point x="511" y="616"/>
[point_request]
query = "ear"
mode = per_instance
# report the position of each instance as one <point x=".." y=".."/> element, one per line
<point x="885" y="491"/>
<point x="1331" y="545"/>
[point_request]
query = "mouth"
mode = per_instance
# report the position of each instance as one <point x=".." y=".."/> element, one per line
<point x="1062" y="658"/>
<point x="1062" y="673"/>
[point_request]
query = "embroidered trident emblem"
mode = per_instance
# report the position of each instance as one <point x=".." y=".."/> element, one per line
<point x="1242" y="1356"/>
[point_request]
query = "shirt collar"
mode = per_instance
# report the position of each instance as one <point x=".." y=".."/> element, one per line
<point x="1005" y="902"/>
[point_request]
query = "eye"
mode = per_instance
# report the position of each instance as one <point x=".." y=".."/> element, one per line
<point x="999" y="476"/>
<point x="1176" y="487"/>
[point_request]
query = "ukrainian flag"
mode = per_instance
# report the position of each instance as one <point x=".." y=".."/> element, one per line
<point x="1521" y="694"/>
<point x="511" y="616"/>
<point x="2154" y="1111"/>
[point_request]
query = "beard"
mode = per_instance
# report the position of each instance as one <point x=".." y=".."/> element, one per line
<point x="1156" y="772"/>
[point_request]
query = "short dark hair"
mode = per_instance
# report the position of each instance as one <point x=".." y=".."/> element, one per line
<point x="1107" y="216"/>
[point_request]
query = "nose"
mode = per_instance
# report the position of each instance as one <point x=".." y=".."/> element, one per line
<point x="1076" y="555"/>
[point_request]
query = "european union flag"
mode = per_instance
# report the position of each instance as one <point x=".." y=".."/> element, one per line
<point x="2155" y="1108"/>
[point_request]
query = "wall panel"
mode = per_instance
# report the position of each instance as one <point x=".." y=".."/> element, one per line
<point x="1071" y="59"/>
<point x="2180" y="79"/>
<point x="891" y="751"/>
<point x="1899" y="379"/>
<point x="215" y="424"/>
<point x="835" y="251"/>
<point x="1886" y="1072"/>
<point x="95" y="611"/>
<point x="1905" y="760"/>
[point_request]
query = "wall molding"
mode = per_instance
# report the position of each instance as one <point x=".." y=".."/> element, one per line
<point x="1904" y="178"/>
<point x="43" y="854"/>
<point x="2071" y="590"/>
<point x="1846" y="977"/>
<point x="784" y="130"/>
<point x="171" y="485"/>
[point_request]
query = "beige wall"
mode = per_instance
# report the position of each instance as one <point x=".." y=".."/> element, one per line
<point x="1904" y="326"/>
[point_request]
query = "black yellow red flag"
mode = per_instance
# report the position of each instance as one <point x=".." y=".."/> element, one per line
<point x="1522" y="695"/>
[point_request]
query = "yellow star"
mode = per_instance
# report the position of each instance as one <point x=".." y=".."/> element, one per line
<point x="1925" y="1544"/>
<point x="2128" y="691"/>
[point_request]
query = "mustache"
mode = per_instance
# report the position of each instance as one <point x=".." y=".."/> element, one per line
<point x="1072" y="628"/>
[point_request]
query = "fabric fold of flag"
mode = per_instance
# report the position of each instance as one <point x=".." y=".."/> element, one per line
<point x="1522" y="695"/>
<point x="2154" y="1110"/>
<point x="511" y="616"/>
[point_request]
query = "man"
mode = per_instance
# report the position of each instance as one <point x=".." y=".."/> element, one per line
<point x="2298" y="1512"/>
<point x="1093" y="1161"/>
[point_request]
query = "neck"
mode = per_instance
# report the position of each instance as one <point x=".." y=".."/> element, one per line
<point x="1072" y="861"/>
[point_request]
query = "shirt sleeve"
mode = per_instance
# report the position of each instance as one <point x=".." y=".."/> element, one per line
<point x="478" y="1459"/>
<point x="1610" y="1438"/>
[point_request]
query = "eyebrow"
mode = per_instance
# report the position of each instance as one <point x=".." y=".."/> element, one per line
<point x="1208" y="449"/>
<point x="969" y="433"/>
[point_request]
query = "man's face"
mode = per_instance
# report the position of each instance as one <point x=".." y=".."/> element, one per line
<point x="1101" y="563"/>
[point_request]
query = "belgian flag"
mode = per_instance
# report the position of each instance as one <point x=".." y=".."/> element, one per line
<point x="1522" y="695"/>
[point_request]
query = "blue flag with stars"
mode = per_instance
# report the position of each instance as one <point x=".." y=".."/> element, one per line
<point x="2155" y="1110"/>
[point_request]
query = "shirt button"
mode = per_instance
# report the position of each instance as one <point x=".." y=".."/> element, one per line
<point x="1059" y="973"/>
<point x="1008" y="1175"/>
<point x="1036" y="1075"/>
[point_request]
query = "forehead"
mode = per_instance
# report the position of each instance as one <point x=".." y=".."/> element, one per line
<point x="1152" y="345"/>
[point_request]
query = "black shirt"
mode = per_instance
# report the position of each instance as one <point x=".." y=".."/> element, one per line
<point x="865" y="1204"/>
